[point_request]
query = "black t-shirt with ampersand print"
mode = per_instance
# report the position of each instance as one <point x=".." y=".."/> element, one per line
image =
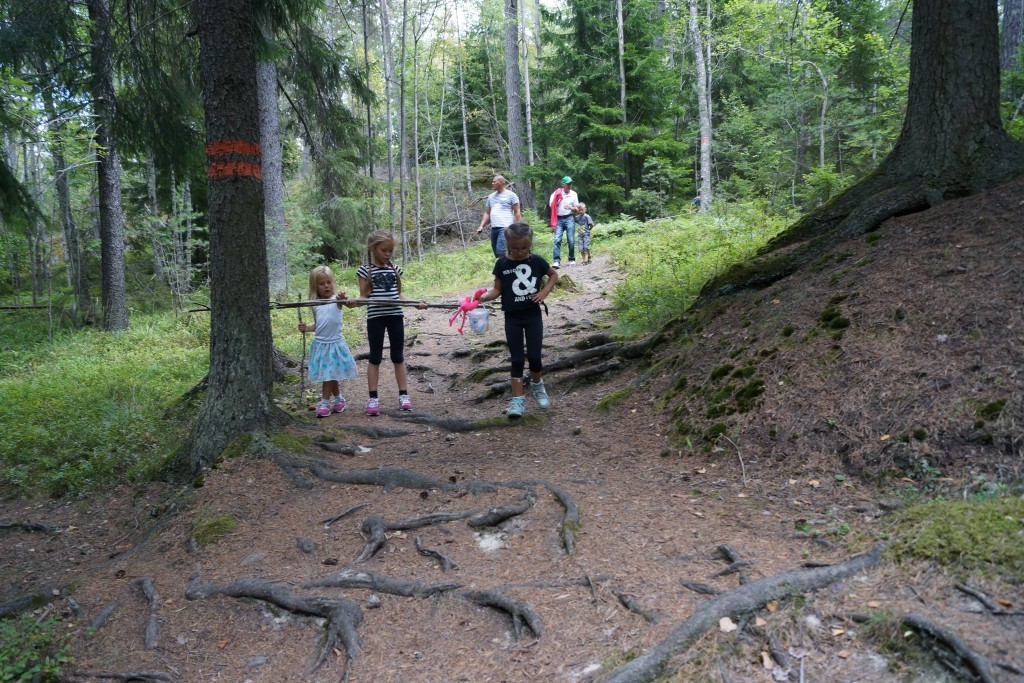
<point x="519" y="281"/>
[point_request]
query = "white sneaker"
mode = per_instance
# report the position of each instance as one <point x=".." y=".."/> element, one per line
<point x="556" y="264"/>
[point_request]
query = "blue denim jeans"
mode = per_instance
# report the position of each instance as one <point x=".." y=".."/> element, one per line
<point x="498" y="241"/>
<point x="566" y="224"/>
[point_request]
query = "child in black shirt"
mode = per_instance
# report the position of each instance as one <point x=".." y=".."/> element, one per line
<point x="517" y="280"/>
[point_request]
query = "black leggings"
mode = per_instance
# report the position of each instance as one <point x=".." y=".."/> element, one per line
<point x="528" y="324"/>
<point x="394" y="325"/>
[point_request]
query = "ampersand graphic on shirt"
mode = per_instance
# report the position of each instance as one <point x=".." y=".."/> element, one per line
<point x="524" y="284"/>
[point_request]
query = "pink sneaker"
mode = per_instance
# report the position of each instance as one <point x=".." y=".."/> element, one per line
<point x="404" y="402"/>
<point x="338" y="406"/>
<point x="323" y="408"/>
<point x="373" y="407"/>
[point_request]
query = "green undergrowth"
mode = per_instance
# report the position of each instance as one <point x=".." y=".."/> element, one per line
<point x="85" y="409"/>
<point x="33" y="649"/>
<point x="667" y="261"/>
<point x="973" y="535"/>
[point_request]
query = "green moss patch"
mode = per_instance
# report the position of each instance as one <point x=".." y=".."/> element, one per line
<point x="972" y="535"/>
<point x="206" y="530"/>
<point x="721" y="371"/>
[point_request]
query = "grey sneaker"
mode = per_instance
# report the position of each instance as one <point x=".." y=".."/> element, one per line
<point x="516" y="407"/>
<point x="540" y="394"/>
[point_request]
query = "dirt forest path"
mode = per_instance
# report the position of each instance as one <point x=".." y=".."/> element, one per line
<point x="645" y="551"/>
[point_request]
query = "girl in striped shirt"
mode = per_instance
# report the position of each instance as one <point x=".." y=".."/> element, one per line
<point x="380" y="281"/>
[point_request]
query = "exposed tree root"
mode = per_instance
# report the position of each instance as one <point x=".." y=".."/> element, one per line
<point x="101" y="617"/>
<point x="965" y="663"/>
<point x="30" y="600"/>
<point x="140" y="676"/>
<point x="145" y="584"/>
<point x="454" y="424"/>
<point x="498" y="514"/>
<point x="519" y="611"/>
<point x="343" y="615"/>
<point x="337" y="518"/>
<point x="339" y="448"/>
<point x="443" y="560"/>
<point x="632" y="605"/>
<point x="742" y="600"/>
<point x="31" y="526"/>
<point x="374" y="530"/>
<point x="384" y="584"/>
<point x="948" y="640"/>
<point x="698" y="587"/>
<point x="377" y="432"/>
<point x="593" y="373"/>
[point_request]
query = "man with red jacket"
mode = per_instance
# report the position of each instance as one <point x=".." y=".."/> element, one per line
<point x="563" y="203"/>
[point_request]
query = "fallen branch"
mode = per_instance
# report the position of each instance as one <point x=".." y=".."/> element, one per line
<point x="747" y="598"/>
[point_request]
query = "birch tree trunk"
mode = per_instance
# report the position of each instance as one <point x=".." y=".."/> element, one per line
<point x="111" y="215"/>
<point x="462" y="109"/>
<point x="704" y="107"/>
<point x="366" y="78"/>
<point x="403" y="143"/>
<point x="526" y="84"/>
<point x="72" y="248"/>
<point x="622" y="88"/>
<point x="1013" y="31"/>
<point x="514" y="101"/>
<point x="273" y="178"/>
<point x="389" y="76"/>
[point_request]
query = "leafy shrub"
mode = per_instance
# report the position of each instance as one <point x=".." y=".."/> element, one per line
<point x="32" y="650"/>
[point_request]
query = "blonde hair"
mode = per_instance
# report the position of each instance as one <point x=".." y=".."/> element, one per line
<point x="315" y="276"/>
<point x="376" y="238"/>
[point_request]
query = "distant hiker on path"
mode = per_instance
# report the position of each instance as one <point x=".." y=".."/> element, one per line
<point x="502" y="210"/>
<point x="584" y="224"/>
<point x="563" y="203"/>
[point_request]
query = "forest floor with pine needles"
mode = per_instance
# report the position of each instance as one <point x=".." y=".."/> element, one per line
<point x="778" y="431"/>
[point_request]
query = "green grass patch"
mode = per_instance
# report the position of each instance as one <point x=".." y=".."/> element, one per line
<point x="970" y="535"/>
<point x="606" y="404"/>
<point x="89" y="406"/>
<point x="668" y="261"/>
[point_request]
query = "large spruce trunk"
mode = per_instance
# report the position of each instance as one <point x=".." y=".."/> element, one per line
<point x="241" y="349"/>
<point x="952" y="143"/>
<point x="115" y="293"/>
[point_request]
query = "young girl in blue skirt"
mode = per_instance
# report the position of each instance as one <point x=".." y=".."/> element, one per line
<point x="330" y="359"/>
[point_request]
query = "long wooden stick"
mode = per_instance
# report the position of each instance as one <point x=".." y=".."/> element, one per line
<point x="361" y="302"/>
<point x="302" y="363"/>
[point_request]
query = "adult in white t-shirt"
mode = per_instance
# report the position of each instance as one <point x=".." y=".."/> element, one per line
<point x="502" y="210"/>
<point x="564" y="203"/>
